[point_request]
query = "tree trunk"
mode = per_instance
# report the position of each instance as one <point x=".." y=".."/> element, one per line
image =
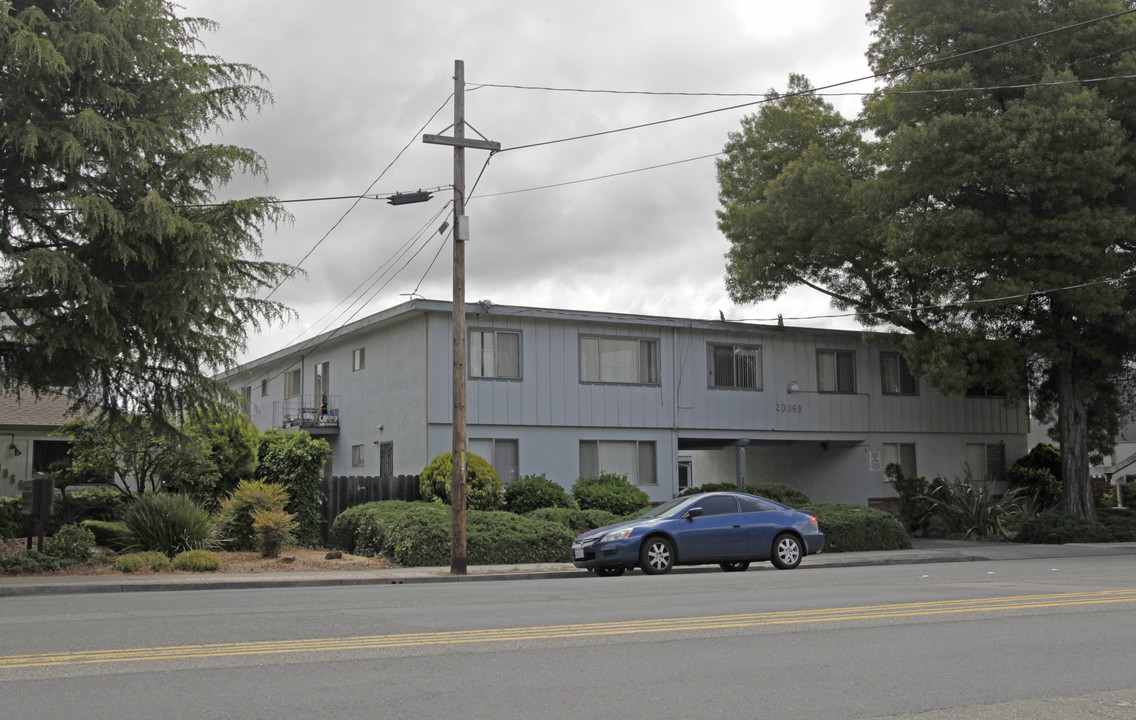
<point x="1072" y="418"/>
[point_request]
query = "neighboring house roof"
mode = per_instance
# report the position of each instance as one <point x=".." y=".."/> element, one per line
<point x="27" y="412"/>
<point x="1124" y="465"/>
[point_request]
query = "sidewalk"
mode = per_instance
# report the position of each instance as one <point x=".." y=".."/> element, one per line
<point x="924" y="551"/>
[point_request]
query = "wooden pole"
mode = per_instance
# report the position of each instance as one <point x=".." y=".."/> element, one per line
<point x="458" y="489"/>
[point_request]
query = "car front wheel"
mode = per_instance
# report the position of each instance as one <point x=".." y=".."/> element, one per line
<point x="787" y="552"/>
<point x="656" y="556"/>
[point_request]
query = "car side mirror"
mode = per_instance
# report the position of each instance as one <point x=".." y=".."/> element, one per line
<point x="692" y="513"/>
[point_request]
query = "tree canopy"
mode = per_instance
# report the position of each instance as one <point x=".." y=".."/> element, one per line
<point x="121" y="281"/>
<point x="983" y="200"/>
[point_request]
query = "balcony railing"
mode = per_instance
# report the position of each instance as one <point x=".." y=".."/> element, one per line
<point x="304" y="412"/>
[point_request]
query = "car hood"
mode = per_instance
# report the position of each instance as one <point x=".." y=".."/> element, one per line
<point x="600" y="532"/>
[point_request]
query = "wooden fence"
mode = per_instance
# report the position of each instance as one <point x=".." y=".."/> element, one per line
<point x="342" y="492"/>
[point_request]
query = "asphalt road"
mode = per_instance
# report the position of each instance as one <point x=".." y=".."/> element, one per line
<point x="966" y="640"/>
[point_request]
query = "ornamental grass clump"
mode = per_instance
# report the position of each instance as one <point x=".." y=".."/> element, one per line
<point x="142" y="561"/>
<point x="168" y="524"/>
<point x="197" y="561"/>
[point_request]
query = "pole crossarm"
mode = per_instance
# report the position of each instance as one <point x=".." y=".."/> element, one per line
<point x="462" y="142"/>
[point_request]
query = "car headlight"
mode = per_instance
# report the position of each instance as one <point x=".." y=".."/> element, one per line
<point x="617" y="535"/>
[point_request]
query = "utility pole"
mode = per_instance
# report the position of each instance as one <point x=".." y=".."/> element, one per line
<point x="461" y="236"/>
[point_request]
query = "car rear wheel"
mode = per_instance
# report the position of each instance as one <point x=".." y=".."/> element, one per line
<point x="608" y="571"/>
<point x="656" y="556"/>
<point x="734" y="566"/>
<point x="787" y="552"/>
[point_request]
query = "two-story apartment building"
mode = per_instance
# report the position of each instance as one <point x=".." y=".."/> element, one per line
<point x="671" y="402"/>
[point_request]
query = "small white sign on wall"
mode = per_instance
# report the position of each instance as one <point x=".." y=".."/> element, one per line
<point x="874" y="461"/>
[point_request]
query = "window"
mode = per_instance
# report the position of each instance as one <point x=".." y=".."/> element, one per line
<point x="718" y="505"/>
<point x="358" y="459"/>
<point x="735" y="367"/>
<point x="501" y="454"/>
<point x="322" y="382"/>
<point x="635" y="459"/>
<point x="358" y="359"/>
<point x="902" y="454"/>
<point x="981" y="391"/>
<point x="836" y="371"/>
<point x="495" y="354"/>
<point x="897" y="378"/>
<point x="986" y="462"/>
<point x="264" y="388"/>
<point x="619" y="360"/>
<point x="386" y="459"/>
<point x="292" y="383"/>
<point x="246" y="399"/>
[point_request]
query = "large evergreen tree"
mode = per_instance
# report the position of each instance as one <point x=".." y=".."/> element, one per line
<point x="982" y="201"/>
<point x="119" y="282"/>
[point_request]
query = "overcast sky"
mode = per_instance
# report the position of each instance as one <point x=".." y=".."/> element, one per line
<point x="356" y="81"/>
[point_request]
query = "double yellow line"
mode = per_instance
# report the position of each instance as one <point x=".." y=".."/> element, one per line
<point x="554" y="632"/>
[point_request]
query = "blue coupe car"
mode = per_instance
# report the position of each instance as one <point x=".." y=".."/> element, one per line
<point x="728" y="528"/>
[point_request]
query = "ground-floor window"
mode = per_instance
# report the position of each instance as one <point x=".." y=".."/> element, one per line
<point x="633" y="458"/>
<point x="501" y="454"/>
<point x="986" y="461"/>
<point x="358" y="459"/>
<point x="902" y="454"/>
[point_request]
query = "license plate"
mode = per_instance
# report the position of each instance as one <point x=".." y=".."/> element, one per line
<point x="578" y="553"/>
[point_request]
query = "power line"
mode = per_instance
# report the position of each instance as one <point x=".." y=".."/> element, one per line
<point x="812" y="91"/>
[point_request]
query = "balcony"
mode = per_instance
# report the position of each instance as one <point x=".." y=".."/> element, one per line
<point x="304" y="413"/>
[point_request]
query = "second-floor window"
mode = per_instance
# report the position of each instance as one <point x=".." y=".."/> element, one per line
<point x="897" y="378"/>
<point x="292" y="383"/>
<point x="735" y="367"/>
<point x="358" y="359"/>
<point x="619" y="360"/>
<point x="495" y="354"/>
<point x="836" y="371"/>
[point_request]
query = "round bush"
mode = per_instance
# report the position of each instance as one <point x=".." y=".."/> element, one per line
<point x="148" y="560"/>
<point x="235" y="524"/>
<point x="1056" y="527"/>
<point x="482" y="483"/>
<point x="349" y="525"/>
<point x="609" y="492"/>
<point x="71" y="543"/>
<point x="168" y="524"/>
<point x="848" y="527"/>
<point x="531" y="492"/>
<point x="30" y="561"/>
<point x="197" y="561"/>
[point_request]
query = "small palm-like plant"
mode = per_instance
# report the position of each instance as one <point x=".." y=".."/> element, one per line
<point x="168" y="524"/>
<point x="973" y="508"/>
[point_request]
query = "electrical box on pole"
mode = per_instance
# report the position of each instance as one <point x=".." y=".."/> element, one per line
<point x="461" y="236"/>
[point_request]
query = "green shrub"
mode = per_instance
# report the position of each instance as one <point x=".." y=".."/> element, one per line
<point x="777" y="492"/>
<point x="197" y="561"/>
<point x="971" y="508"/>
<point x="71" y="543"/>
<point x="360" y="524"/>
<point x="418" y="534"/>
<point x="609" y="492"/>
<point x="1056" y="527"/>
<point x="1121" y="524"/>
<point x="112" y="534"/>
<point x="89" y="503"/>
<point x="296" y="460"/>
<point x="848" y="527"/>
<point x="168" y="524"/>
<point x="915" y="507"/>
<point x="148" y="560"/>
<point x="27" y="562"/>
<point x="575" y="520"/>
<point x="235" y="523"/>
<point x="273" y="529"/>
<point x="482" y="483"/>
<point x="531" y="492"/>
<point x="12" y="523"/>
<point x="603" y="518"/>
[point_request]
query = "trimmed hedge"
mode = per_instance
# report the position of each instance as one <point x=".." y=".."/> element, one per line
<point x="11" y="520"/>
<point x="848" y="527"/>
<point x="418" y="534"/>
<point x="1056" y="527"/>
<point x="114" y="535"/>
<point x="532" y="492"/>
<point x="777" y="492"/>
<point x="609" y="492"/>
<point x="577" y="521"/>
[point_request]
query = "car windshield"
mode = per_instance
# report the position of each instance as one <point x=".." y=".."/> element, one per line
<point x="665" y="509"/>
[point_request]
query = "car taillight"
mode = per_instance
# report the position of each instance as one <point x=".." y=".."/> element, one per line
<point x="812" y="519"/>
